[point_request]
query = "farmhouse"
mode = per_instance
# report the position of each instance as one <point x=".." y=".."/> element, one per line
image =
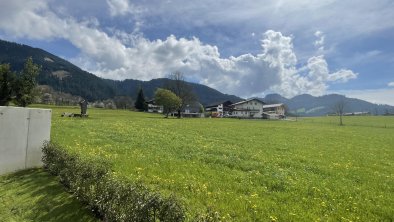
<point x="274" y="111"/>
<point x="153" y="107"/>
<point x="250" y="108"/>
<point x="220" y="109"/>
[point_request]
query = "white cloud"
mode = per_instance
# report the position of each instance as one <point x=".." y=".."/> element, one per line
<point x="391" y="84"/>
<point x="122" y="7"/>
<point x="319" y="43"/>
<point x="342" y="75"/>
<point x="122" y="55"/>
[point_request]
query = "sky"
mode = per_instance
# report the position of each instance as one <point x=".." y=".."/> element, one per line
<point x="247" y="48"/>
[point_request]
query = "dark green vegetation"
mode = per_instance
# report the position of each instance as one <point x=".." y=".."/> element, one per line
<point x="107" y="194"/>
<point x="66" y="77"/>
<point x="18" y="88"/>
<point x="246" y="170"/>
<point x="140" y="103"/>
<point x="168" y="100"/>
<point x="34" y="195"/>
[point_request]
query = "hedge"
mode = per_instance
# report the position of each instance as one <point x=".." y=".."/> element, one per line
<point x="112" y="198"/>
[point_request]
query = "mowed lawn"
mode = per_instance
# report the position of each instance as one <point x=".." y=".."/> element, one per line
<point x="247" y="170"/>
<point x="35" y="195"/>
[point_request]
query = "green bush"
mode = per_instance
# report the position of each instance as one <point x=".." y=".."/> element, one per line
<point x="112" y="198"/>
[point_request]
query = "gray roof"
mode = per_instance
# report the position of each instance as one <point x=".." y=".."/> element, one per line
<point x="251" y="99"/>
<point x="272" y="105"/>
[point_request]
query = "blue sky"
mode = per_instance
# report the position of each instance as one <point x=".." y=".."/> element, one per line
<point x="247" y="48"/>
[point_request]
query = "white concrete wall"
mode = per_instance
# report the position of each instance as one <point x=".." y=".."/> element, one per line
<point x="22" y="134"/>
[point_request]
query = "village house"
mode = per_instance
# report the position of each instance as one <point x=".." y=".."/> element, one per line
<point x="220" y="109"/>
<point x="250" y="108"/>
<point x="274" y="111"/>
<point x="153" y="107"/>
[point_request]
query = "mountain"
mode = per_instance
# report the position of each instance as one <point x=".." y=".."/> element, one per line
<point x="65" y="77"/>
<point x="307" y="105"/>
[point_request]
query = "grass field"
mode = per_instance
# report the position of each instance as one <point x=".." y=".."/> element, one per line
<point x="34" y="195"/>
<point x="248" y="170"/>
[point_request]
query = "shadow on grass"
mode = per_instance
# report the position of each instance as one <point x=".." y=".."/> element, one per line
<point x="37" y="196"/>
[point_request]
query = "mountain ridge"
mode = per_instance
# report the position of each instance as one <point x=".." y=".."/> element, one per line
<point x="66" y="77"/>
<point x="308" y="105"/>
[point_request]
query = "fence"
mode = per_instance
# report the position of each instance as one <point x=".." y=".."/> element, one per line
<point x="22" y="134"/>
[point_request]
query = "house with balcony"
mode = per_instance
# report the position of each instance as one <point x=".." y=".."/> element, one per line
<point x="153" y="107"/>
<point x="220" y="109"/>
<point x="274" y="111"/>
<point x="250" y="108"/>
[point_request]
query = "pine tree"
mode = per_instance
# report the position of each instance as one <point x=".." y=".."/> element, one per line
<point x="25" y="87"/>
<point x="140" y="103"/>
<point x="7" y="82"/>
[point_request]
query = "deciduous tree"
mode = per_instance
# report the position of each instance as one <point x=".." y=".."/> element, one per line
<point x="168" y="100"/>
<point x="339" y="108"/>
<point x="182" y="89"/>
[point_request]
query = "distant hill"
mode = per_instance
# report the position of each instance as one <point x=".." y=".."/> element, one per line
<point x="65" y="77"/>
<point x="307" y="105"/>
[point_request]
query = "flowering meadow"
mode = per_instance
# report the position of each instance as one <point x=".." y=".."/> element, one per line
<point x="246" y="170"/>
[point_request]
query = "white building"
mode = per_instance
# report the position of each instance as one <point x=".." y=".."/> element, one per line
<point x="221" y="109"/>
<point x="153" y="107"/>
<point x="251" y="108"/>
<point x="274" y="111"/>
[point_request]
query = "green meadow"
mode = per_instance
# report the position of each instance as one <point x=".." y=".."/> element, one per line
<point x="35" y="195"/>
<point x="247" y="170"/>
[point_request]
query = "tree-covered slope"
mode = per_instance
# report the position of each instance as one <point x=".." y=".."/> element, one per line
<point x="65" y="77"/>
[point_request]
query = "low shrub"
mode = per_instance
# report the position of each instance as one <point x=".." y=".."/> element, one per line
<point x="112" y="198"/>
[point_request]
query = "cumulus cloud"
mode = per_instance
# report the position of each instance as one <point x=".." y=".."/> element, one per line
<point x="128" y="55"/>
<point x="391" y="84"/>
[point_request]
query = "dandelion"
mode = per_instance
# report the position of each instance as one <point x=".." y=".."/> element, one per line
<point x="254" y="195"/>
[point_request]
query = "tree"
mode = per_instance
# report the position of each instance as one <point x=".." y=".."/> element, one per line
<point x="140" y="103"/>
<point x="25" y="88"/>
<point x="339" y="109"/>
<point x="182" y="89"/>
<point x="168" y="100"/>
<point x="7" y="83"/>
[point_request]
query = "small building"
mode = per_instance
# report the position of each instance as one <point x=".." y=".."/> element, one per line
<point x="274" y="111"/>
<point x="357" y="114"/>
<point x="250" y="108"/>
<point x="193" y="109"/>
<point x="220" y="109"/>
<point x="153" y="107"/>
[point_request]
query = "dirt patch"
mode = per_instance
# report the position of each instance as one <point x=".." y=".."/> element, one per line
<point x="61" y="74"/>
<point x="48" y="59"/>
